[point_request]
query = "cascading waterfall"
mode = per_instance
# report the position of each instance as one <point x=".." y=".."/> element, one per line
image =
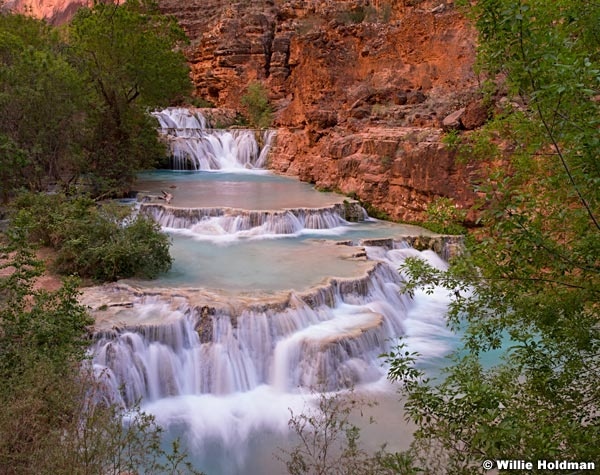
<point x="196" y="147"/>
<point x="330" y="338"/>
<point x="212" y="223"/>
<point x="227" y="372"/>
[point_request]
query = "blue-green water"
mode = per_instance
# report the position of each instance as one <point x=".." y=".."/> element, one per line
<point x="238" y="427"/>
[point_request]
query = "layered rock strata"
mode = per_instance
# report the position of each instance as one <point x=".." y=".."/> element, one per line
<point x="363" y="91"/>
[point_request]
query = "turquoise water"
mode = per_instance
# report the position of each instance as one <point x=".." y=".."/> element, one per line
<point x="252" y="190"/>
<point x="240" y="432"/>
<point x="267" y="263"/>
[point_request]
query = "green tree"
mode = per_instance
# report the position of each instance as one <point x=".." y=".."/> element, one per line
<point x="129" y="54"/>
<point x="76" y="102"/>
<point x="41" y="100"/>
<point x="530" y="276"/>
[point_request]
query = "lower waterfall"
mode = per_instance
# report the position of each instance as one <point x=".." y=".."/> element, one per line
<point x="218" y="376"/>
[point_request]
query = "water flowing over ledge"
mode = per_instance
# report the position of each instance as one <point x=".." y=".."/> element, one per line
<point x="244" y="325"/>
<point x="194" y="146"/>
<point x="329" y="336"/>
<point x="236" y="223"/>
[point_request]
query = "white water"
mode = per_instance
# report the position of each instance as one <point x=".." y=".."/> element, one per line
<point x="228" y="224"/>
<point x="195" y="147"/>
<point x="226" y="380"/>
<point x="241" y="376"/>
<point x="335" y="344"/>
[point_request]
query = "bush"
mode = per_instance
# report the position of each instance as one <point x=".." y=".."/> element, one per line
<point x="354" y="16"/>
<point x="329" y="442"/>
<point x="444" y="217"/>
<point x="256" y="101"/>
<point x="104" y="243"/>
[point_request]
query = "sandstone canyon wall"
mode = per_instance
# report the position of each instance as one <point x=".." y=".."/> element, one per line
<point x="360" y="88"/>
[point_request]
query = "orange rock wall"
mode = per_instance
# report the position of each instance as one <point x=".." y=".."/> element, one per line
<point x="360" y="88"/>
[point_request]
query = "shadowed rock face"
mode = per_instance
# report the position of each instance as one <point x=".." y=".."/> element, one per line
<point x="360" y="88"/>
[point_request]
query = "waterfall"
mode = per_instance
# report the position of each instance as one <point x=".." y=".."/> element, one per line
<point x="230" y="223"/>
<point x="328" y="337"/>
<point x="222" y="360"/>
<point x="196" y="147"/>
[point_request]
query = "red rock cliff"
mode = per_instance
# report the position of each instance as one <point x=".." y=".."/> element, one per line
<point x="360" y="88"/>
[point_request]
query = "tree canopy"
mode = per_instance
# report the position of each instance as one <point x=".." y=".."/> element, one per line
<point x="528" y="282"/>
<point x="75" y="102"/>
<point x="127" y="53"/>
<point x="41" y="98"/>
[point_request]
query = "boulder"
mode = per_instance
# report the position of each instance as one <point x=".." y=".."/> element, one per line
<point x="453" y="121"/>
<point x="476" y="114"/>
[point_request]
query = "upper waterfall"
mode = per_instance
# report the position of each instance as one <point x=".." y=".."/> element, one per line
<point x="195" y="146"/>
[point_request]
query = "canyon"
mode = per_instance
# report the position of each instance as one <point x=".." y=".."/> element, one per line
<point x="363" y="92"/>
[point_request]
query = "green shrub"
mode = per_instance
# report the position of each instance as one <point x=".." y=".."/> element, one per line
<point x="375" y="212"/>
<point x="329" y="441"/>
<point x="452" y="139"/>
<point x="55" y="417"/>
<point x="387" y="161"/>
<point x="256" y="101"/>
<point x="355" y="16"/>
<point x="104" y="243"/>
<point x="198" y="101"/>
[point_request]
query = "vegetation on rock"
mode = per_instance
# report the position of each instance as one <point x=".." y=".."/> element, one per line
<point x="104" y="243"/>
<point x="256" y="101"/>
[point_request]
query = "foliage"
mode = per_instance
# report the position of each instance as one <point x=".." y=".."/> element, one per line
<point x="387" y="161"/>
<point x="375" y="212"/>
<point x="371" y="12"/>
<point x="444" y="217"/>
<point x="256" y="101"/>
<point x="36" y="324"/>
<point x="355" y="15"/>
<point x="452" y="139"/>
<point x="329" y="443"/>
<point x="531" y="275"/>
<point x="200" y="102"/>
<point x="54" y="418"/>
<point x="41" y="98"/>
<point x="104" y="243"/>
<point x="75" y="103"/>
<point x="126" y="53"/>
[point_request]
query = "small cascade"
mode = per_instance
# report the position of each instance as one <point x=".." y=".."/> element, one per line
<point x="329" y="338"/>
<point x="194" y="146"/>
<point x="211" y="223"/>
